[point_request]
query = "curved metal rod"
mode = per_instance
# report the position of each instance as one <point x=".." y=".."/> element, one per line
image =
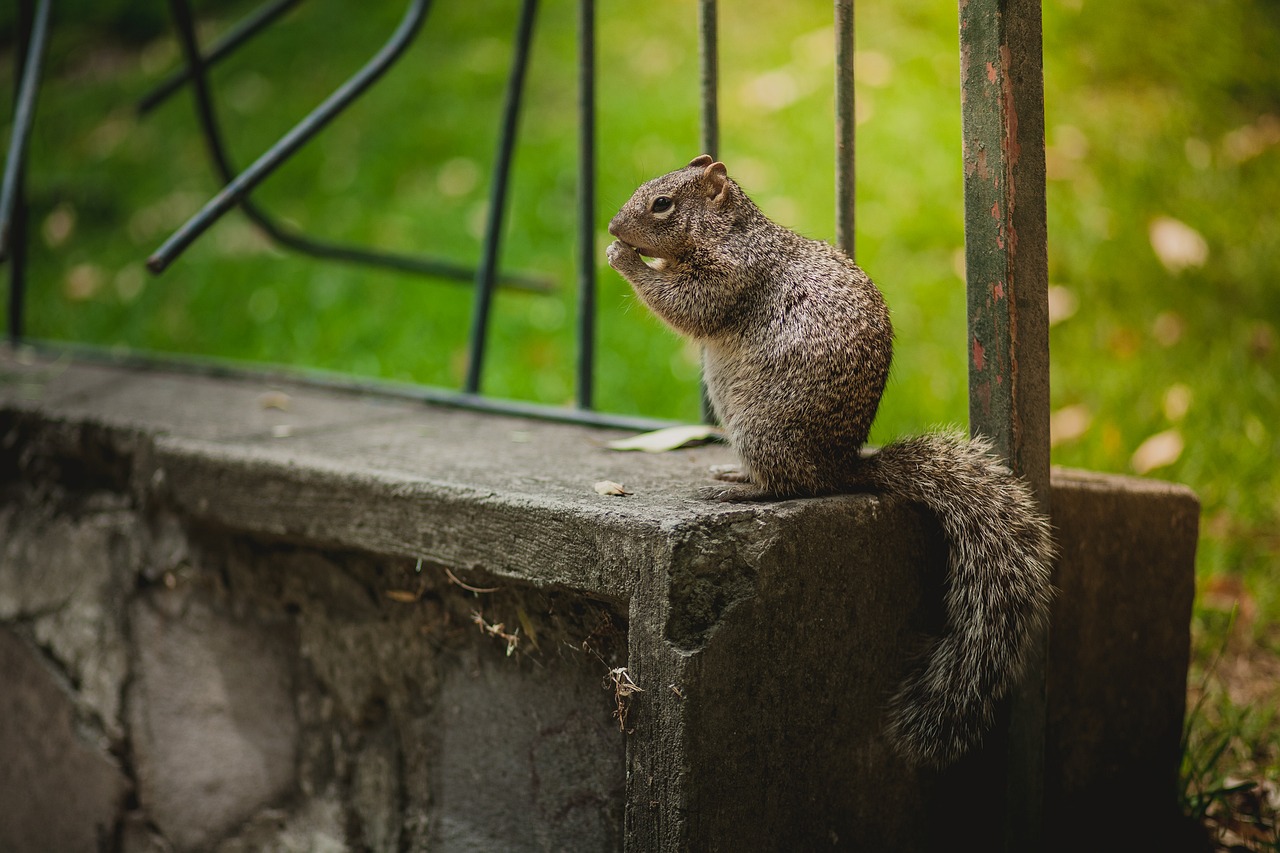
<point x="33" y="32"/>
<point x="238" y="187"/>
<point x="236" y="191"/>
<point x="23" y="115"/>
<point x="237" y="36"/>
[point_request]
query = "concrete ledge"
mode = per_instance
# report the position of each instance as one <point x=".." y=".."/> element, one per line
<point x="336" y="537"/>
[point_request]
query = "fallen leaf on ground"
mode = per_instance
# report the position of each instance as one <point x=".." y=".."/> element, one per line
<point x="1159" y="450"/>
<point x="1069" y="423"/>
<point x="1062" y="304"/>
<point x="1168" y="328"/>
<point x="668" y="438"/>
<point x="274" y="400"/>
<point x="1176" y="401"/>
<point x="1177" y="244"/>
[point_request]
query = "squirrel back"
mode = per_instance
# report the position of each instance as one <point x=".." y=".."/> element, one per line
<point x="797" y="345"/>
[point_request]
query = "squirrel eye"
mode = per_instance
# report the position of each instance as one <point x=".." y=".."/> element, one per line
<point x="661" y="204"/>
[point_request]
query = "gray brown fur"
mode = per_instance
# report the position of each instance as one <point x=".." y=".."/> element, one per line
<point x="797" y="344"/>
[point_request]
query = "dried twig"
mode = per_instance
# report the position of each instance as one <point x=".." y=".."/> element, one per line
<point x="497" y="630"/>
<point x="407" y="596"/>
<point x="469" y="587"/>
<point x="624" y="687"/>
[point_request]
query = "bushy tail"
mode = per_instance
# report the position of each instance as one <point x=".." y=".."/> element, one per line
<point x="997" y="589"/>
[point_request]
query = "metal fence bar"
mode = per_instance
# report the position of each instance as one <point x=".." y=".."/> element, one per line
<point x="709" y="75"/>
<point x="197" y="68"/>
<point x="498" y="197"/>
<point x="586" y="202"/>
<point x="33" y="35"/>
<point x="232" y="194"/>
<point x="709" y="84"/>
<point x="1005" y="235"/>
<point x="236" y="36"/>
<point x="845" y="122"/>
<point x="1002" y="98"/>
<point x="200" y="366"/>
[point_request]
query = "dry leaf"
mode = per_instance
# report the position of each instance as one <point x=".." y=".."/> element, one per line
<point x="668" y="438"/>
<point x="1167" y="328"/>
<point x="274" y="400"/>
<point x="1062" y="304"/>
<point x="624" y="687"/>
<point x="404" y="596"/>
<point x="83" y="281"/>
<point x="1159" y="450"/>
<point x="59" y="225"/>
<point x="1226" y="592"/>
<point x="1069" y="423"/>
<point x="623" y="684"/>
<point x="1262" y="340"/>
<point x="1247" y="142"/>
<point x="608" y="487"/>
<point x="1177" y="244"/>
<point x="526" y="625"/>
<point x="1177" y="400"/>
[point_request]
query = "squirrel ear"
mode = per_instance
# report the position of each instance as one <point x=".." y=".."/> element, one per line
<point x="700" y="160"/>
<point x="716" y="178"/>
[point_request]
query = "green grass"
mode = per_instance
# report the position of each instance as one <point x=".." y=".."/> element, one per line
<point x="1152" y="112"/>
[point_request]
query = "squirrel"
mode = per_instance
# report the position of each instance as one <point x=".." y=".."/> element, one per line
<point x="797" y="343"/>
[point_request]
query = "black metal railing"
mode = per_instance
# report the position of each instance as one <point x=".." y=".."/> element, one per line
<point x="33" y="36"/>
<point x="989" y="28"/>
<point x="1005" y="245"/>
<point x="239" y="185"/>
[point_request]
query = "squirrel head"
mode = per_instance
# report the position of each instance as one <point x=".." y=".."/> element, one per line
<point x="672" y="215"/>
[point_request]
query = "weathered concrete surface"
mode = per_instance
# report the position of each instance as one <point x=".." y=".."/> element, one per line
<point x="1118" y="654"/>
<point x="67" y="569"/>
<point x="780" y="714"/>
<point x="550" y="777"/>
<point x="284" y="600"/>
<point x="58" y="789"/>
<point x="214" y="733"/>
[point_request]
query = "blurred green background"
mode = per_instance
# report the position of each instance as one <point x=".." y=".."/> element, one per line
<point x="1163" y="135"/>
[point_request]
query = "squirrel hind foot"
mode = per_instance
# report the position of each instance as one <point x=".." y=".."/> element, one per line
<point x="739" y="492"/>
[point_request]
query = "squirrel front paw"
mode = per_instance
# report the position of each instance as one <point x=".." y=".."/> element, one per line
<point x="620" y="255"/>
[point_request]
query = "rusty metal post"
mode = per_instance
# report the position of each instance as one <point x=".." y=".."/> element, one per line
<point x="845" y="121"/>
<point x="1002" y="96"/>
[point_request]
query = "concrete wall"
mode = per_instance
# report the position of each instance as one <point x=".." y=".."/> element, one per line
<point x="246" y="615"/>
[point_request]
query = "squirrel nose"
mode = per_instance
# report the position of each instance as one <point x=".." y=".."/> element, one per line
<point x="613" y="226"/>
